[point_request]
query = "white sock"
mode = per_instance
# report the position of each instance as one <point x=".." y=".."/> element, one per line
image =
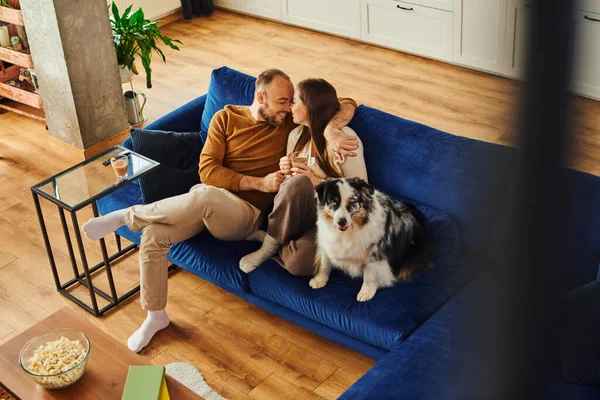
<point x="155" y="321"/>
<point x="97" y="228"/>
<point x="269" y="248"/>
<point x="258" y="236"/>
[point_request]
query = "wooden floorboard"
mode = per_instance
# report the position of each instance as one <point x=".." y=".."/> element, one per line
<point x="243" y="351"/>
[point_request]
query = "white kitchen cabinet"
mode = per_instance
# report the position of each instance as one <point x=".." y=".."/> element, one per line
<point x="479" y="34"/>
<point x="264" y="8"/>
<point x="586" y="54"/>
<point x="235" y="5"/>
<point x="408" y="27"/>
<point x="447" y="5"/>
<point x="518" y="14"/>
<point x="340" y="17"/>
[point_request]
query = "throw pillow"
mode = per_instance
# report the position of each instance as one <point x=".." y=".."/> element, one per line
<point x="227" y="86"/>
<point x="579" y="338"/>
<point x="178" y="154"/>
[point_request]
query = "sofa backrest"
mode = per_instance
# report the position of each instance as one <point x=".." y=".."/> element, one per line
<point x="463" y="177"/>
<point x="227" y="86"/>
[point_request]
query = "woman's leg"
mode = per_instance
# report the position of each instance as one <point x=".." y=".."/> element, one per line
<point x="298" y="256"/>
<point x="294" y="213"/>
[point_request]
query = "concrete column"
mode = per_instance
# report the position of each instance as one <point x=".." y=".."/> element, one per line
<point x="75" y="61"/>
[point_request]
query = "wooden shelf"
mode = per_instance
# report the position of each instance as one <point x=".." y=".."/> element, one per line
<point x="22" y="96"/>
<point x="14" y="99"/>
<point x="11" y="16"/>
<point x="10" y="73"/>
<point x="22" y="109"/>
<point x="15" y="57"/>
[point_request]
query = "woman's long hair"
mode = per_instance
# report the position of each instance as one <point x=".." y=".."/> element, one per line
<point x="320" y="99"/>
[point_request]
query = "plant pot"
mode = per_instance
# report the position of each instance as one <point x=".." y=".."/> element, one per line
<point x="125" y="73"/>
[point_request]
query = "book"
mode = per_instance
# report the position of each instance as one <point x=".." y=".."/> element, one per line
<point x="145" y="382"/>
<point x="164" y="393"/>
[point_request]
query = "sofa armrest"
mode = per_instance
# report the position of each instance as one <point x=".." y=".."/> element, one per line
<point x="184" y="119"/>
<point x="438" y="360"/>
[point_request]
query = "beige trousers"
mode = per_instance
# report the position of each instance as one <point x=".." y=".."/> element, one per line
<point x="178" y="218"/>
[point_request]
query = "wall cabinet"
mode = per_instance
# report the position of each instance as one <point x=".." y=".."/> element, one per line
<point x="518" y="14"/>
<point x="264" y="8"/>
<point x="408" y="27"/>
<point x="586" y="54"/>
<point x="479" y="33"/>
<point x="340" y="17"/>
<point x="235" y="5"/>
<point x="489" y="35"/>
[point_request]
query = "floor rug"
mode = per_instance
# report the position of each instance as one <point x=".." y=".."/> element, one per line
<point x="189" y="376"/>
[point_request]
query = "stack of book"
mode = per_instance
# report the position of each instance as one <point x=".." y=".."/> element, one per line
<point x="146" y="382"/>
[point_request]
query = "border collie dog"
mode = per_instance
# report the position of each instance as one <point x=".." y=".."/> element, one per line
<point x="367" y="234"/>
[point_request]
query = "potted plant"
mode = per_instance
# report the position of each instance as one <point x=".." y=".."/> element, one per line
<point x="133" y="36"/>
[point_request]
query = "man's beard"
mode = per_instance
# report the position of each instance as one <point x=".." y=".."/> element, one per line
<point x="271" y="119"/>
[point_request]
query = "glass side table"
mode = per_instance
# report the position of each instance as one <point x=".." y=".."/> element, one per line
<point x="73" y="189"/>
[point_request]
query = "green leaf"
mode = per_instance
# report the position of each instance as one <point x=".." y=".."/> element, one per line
<point x="126" y="13"/>
<point x="115" y="13"/>
<point x="135" y="36"/>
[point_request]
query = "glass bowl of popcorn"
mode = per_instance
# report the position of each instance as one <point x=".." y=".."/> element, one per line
<point x="56" y="359"/>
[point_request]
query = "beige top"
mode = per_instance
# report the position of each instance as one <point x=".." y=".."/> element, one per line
<point x="347" y="167"/>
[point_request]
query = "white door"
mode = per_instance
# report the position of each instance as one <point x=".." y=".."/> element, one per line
<point x="479" y="33"/>
<point x="586" y="52"/>
<point x="518" y="14"/>
<point x="235" y="5"/>
<point x="264" y="8"/>
<point x="340" y="17"/>
<point x="407" y="27"/>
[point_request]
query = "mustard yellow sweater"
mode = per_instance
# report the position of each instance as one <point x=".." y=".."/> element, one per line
<point x="238" y="145"/>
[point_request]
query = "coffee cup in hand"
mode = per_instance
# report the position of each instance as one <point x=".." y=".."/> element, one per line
<point x="299" y="158"/>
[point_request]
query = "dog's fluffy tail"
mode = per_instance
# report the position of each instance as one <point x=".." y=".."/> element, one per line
<point x="421" y="259"/>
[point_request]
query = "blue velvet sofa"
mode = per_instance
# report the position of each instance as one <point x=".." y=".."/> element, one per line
<point x="415" y="329"/>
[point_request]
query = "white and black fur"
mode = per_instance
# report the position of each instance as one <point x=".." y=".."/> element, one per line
<point x="366" y="233"/>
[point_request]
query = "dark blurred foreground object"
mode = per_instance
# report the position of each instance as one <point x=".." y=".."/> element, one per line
<point x="579" y="336"/>
<point x="196" y="7"/>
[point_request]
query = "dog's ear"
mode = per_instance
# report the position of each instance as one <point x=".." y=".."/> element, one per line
<point x="321" y="191"/>
<point x="361" y="186"/>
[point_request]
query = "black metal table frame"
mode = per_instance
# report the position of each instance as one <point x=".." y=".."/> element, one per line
<point x="85" y="278"/>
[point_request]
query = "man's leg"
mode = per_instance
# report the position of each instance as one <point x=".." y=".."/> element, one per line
<point x="294" y="213"/>
<point x="170" y="221"/>
<point x="201" y="202"/>
<point x="154" y="247"/>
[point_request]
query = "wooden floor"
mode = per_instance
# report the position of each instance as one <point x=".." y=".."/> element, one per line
<point x="243" y="351"/>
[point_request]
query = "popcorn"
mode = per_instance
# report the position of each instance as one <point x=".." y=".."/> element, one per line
<point x="58" y="357"/>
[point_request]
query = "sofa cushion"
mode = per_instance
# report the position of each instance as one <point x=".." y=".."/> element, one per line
<point x="451" y="356"/>
<point x="443" y="230"/>
<point x="463" y="177"/>
<point x="579" y="333"/>
<point x="227" y="86"/>
<point x="214" y="260"/>
<point x="582" y="212"/>
<point x="178" y="154"/>
<point x="393" y="313"/>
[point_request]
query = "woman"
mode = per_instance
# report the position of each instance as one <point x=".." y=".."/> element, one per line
<point x="292" y="223"/>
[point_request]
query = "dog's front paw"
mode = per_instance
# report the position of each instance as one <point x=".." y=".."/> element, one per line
<point x="318" y="282"/>
<point x="365" y="294"/>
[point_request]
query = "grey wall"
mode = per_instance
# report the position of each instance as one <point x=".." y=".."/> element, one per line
<point x="72" y="49"/>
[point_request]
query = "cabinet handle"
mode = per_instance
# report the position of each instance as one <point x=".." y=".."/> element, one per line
<point x="404" y="8"/>
<point x="592" y="19"/>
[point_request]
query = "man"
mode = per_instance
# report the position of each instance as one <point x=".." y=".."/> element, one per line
<point x="239" y="170"/>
